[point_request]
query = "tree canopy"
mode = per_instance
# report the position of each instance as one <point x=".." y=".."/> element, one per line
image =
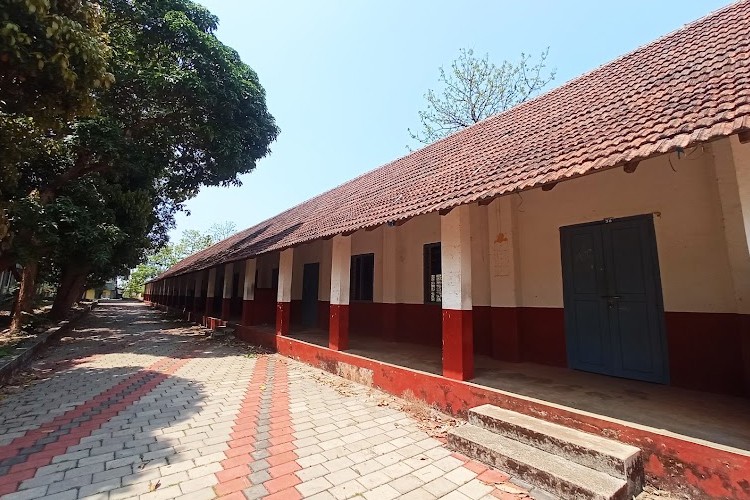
<point x="473" y="88"/>
<point x="172" y="110"/>
<point x="53" y="58"/>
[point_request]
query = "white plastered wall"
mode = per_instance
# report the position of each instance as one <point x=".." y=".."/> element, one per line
<point x="412" y="236"/>
<point x="682" y="193"/>
<point x="265" y="264"/>
<point x="364" y="242"/>
<point x="308" y="253"/>
<point x="693" y="261"/>
<point x="316" y="251"/>
<point x="732" y="164"/>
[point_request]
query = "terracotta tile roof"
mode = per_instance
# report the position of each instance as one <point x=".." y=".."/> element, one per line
<point x="687" y="87"/>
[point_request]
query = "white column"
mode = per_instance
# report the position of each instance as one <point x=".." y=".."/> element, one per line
<point x="341" y="257"/>
<point x="228" y="279"/>
<point x="390" y="260"/>
<point x="185" y="289"/>
<point x="286" y="261"/>
<point x="458" y="330"/>
<point x="455" y="248"/>
<point x="210" y="292"/>
<point x="324" y="284"/>
<point x="338" y="322"/>
<point x="505" y="286"/>
<point x="501" y="221"/>
<point x="226" y="303"/>
<point x="211" y="288"/>
<point x="284" y="297"/>
<point x="732" y="163"/>
<point x="249" y="290"/>
<point x="390" y="282"/>
<point x="198" y="290"/>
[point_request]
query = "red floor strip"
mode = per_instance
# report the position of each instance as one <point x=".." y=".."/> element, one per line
<point x="234" y="477"/>
<point x="283" y="459"/>
<point x="99" y="410"/>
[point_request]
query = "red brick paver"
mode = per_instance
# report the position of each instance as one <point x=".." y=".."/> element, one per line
<point x="147" y="408"/>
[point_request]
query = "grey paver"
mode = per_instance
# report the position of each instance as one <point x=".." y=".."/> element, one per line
<point x="178" y="434"/>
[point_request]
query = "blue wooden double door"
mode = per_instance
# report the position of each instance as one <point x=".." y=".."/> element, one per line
<point x="614" y="316"/>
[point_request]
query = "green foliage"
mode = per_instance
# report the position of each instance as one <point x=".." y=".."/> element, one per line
<point x="52" y="54"/>
<point x="192" y="241"/>
<point x="114" y="113"/>
<point x="53" y="57"/>
<point x="473" y="89"/>
<point x="183" y="97"/>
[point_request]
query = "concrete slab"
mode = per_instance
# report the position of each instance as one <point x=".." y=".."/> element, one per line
<point x="716" y="419"/>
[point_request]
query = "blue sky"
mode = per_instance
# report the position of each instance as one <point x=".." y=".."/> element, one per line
<point x="345" y="79"/>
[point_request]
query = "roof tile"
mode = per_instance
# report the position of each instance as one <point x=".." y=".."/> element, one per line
<point x="689" y="86"/>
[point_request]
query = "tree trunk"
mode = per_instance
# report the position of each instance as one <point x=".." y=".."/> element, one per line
<point x="72" y="281"/>
<point x="25" y="300"/>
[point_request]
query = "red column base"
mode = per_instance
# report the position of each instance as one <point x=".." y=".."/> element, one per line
<point x="226" y="308"/>
<point x="338" y="327"/>
<point x="458" y="344"/>
<point x="283" y="317"/>
<point x="247" y="312"/>
<point x="390" y="324"/>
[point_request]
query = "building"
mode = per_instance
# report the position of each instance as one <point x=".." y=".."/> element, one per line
<point x="107" y="291"/>
<point x="603" y="227"/>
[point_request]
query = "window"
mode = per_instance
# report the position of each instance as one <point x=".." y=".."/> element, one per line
<point x="362" y="274"/>
<point x="433" y="277"/>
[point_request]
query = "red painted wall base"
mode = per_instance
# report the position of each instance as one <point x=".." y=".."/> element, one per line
<point x="263" y="337"/>
<point x="338" y="337"/>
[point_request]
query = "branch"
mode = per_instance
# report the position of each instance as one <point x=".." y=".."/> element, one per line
<point x="83" y="166"/>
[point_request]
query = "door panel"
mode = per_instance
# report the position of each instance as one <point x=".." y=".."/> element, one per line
<point x="621" y="331"/>
<point x="588" y="343"/>
<point x="592" y="345"/>
<point x="634" y="338"/>
<point x="586" y="261"/>
<point x="310" y="295"/>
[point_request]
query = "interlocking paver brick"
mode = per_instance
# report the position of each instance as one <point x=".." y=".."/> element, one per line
<point x="137" y="406"/>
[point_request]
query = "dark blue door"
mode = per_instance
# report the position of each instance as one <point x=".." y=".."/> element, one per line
<point x="612" y="294"/>
<point x="310" y="295"/>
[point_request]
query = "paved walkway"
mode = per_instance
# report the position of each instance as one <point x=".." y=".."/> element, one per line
<point x="132" y="405"/>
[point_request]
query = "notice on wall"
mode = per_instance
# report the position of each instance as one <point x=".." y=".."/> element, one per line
<point x="501" y="256"/>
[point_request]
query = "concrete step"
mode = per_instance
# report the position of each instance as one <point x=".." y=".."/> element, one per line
<point x="556" y="475"/>
<point x="598" y="453"/>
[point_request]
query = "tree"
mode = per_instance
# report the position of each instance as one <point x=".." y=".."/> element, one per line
<point x="185" y="112"/>
<point x="473" y="89"/>
<point x="53" y="56"/>
<point x="192" y="241"/>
